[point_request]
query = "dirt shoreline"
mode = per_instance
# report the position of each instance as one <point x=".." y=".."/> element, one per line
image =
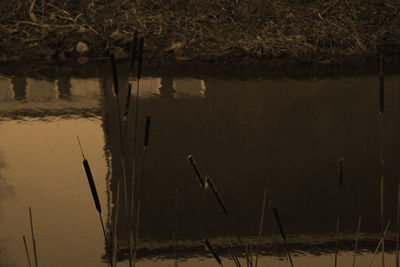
<point x="255" y="36"/>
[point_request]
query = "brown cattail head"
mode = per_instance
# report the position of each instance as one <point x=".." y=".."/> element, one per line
<point x="381" y="89"/>
<point x="210" y="248"/>
<point x="115" y="74"/>
<point x="146" y="137"/>
<point x="92" y="185"/>
<point x="341" y="171"/>
<point x="278" y="221"/>
<point x="134" y="51"/>
<point x="128" y="99"/>
<point x="140" y="58"/>
<point x="196" y="171"/>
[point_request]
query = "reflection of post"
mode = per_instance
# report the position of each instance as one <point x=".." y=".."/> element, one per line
<point x="19" y="87"/>
<point x="40" y="90"/>
<point x="167" y="88"/>
<point x="189" y="88"/>
<point x="64" y="88"/>
<point x="6" y="93"/>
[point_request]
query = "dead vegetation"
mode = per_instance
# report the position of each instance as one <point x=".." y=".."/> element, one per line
<point x="203" y="30"/>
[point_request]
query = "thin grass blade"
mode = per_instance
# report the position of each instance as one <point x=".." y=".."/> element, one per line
<point x="27" y="252"/>
<point x="261" y="226"/>
<point x="380" y="243"/>
<point x="33" y="238"/>
<point x="356" y="241"/>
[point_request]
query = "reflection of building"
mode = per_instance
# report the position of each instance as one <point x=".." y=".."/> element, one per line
<point x="85" y="89"/>
<point x="23" y="96"/>
<point x="40" y="90"/>
<point x="148" y="87"/>
<point x="6" y="92"/>
<point x="189" y="88"/>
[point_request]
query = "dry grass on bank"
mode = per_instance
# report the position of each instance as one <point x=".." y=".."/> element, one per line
<point x="204" y="29"/>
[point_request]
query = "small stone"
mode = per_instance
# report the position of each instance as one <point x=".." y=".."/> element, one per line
<point x="81" y="48"/>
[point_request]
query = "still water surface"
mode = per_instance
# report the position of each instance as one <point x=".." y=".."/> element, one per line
<point x="285" y="135"/>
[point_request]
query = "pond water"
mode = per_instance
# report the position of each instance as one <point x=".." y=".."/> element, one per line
<point x="283" y="135"/>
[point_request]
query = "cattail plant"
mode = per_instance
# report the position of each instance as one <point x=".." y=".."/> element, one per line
<point x="27" y="252"/>
<point x="92" y="188"/>
<point x="380" y="243"/>
<point x="283" y="235"/>
<point x="33" y="238"/>
<point x="146" y="144"/>
<point x="356" y="240"/>
<point x="208" y="182"/>
<point x="211" y="249"/>
<point x="137" y="55"/>
<point x="200" y="179"/>
<point x="261" y="227"/>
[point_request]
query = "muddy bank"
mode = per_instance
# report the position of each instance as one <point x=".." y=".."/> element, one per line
<point x="227" y="32"/>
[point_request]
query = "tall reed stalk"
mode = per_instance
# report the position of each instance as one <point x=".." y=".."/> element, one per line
<point x="128" y="100"/>
<point x="261" y="227"/>
<point x="381" y="112"/>
<point x="146" y="144"/>
<point x="283" y="235"/>
<point x="123" y="167"/>
<point x="356" y="241"/>
<point x="339" y="193"/>
<point x="176" y="228"/>
<point x="137" y="51"/>
<point x="33" y="238"/>
<point x="398" y="225"/>
<point x="115" y="228"/>
<point x="27" y="252"/>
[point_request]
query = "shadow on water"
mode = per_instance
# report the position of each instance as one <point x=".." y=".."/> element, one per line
<point x="282" y="134"/>
<point x="285" y="135"/>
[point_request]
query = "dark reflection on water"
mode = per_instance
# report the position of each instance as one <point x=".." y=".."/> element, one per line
<point x="284" y="135"/>
<point x="249" y="135"/>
